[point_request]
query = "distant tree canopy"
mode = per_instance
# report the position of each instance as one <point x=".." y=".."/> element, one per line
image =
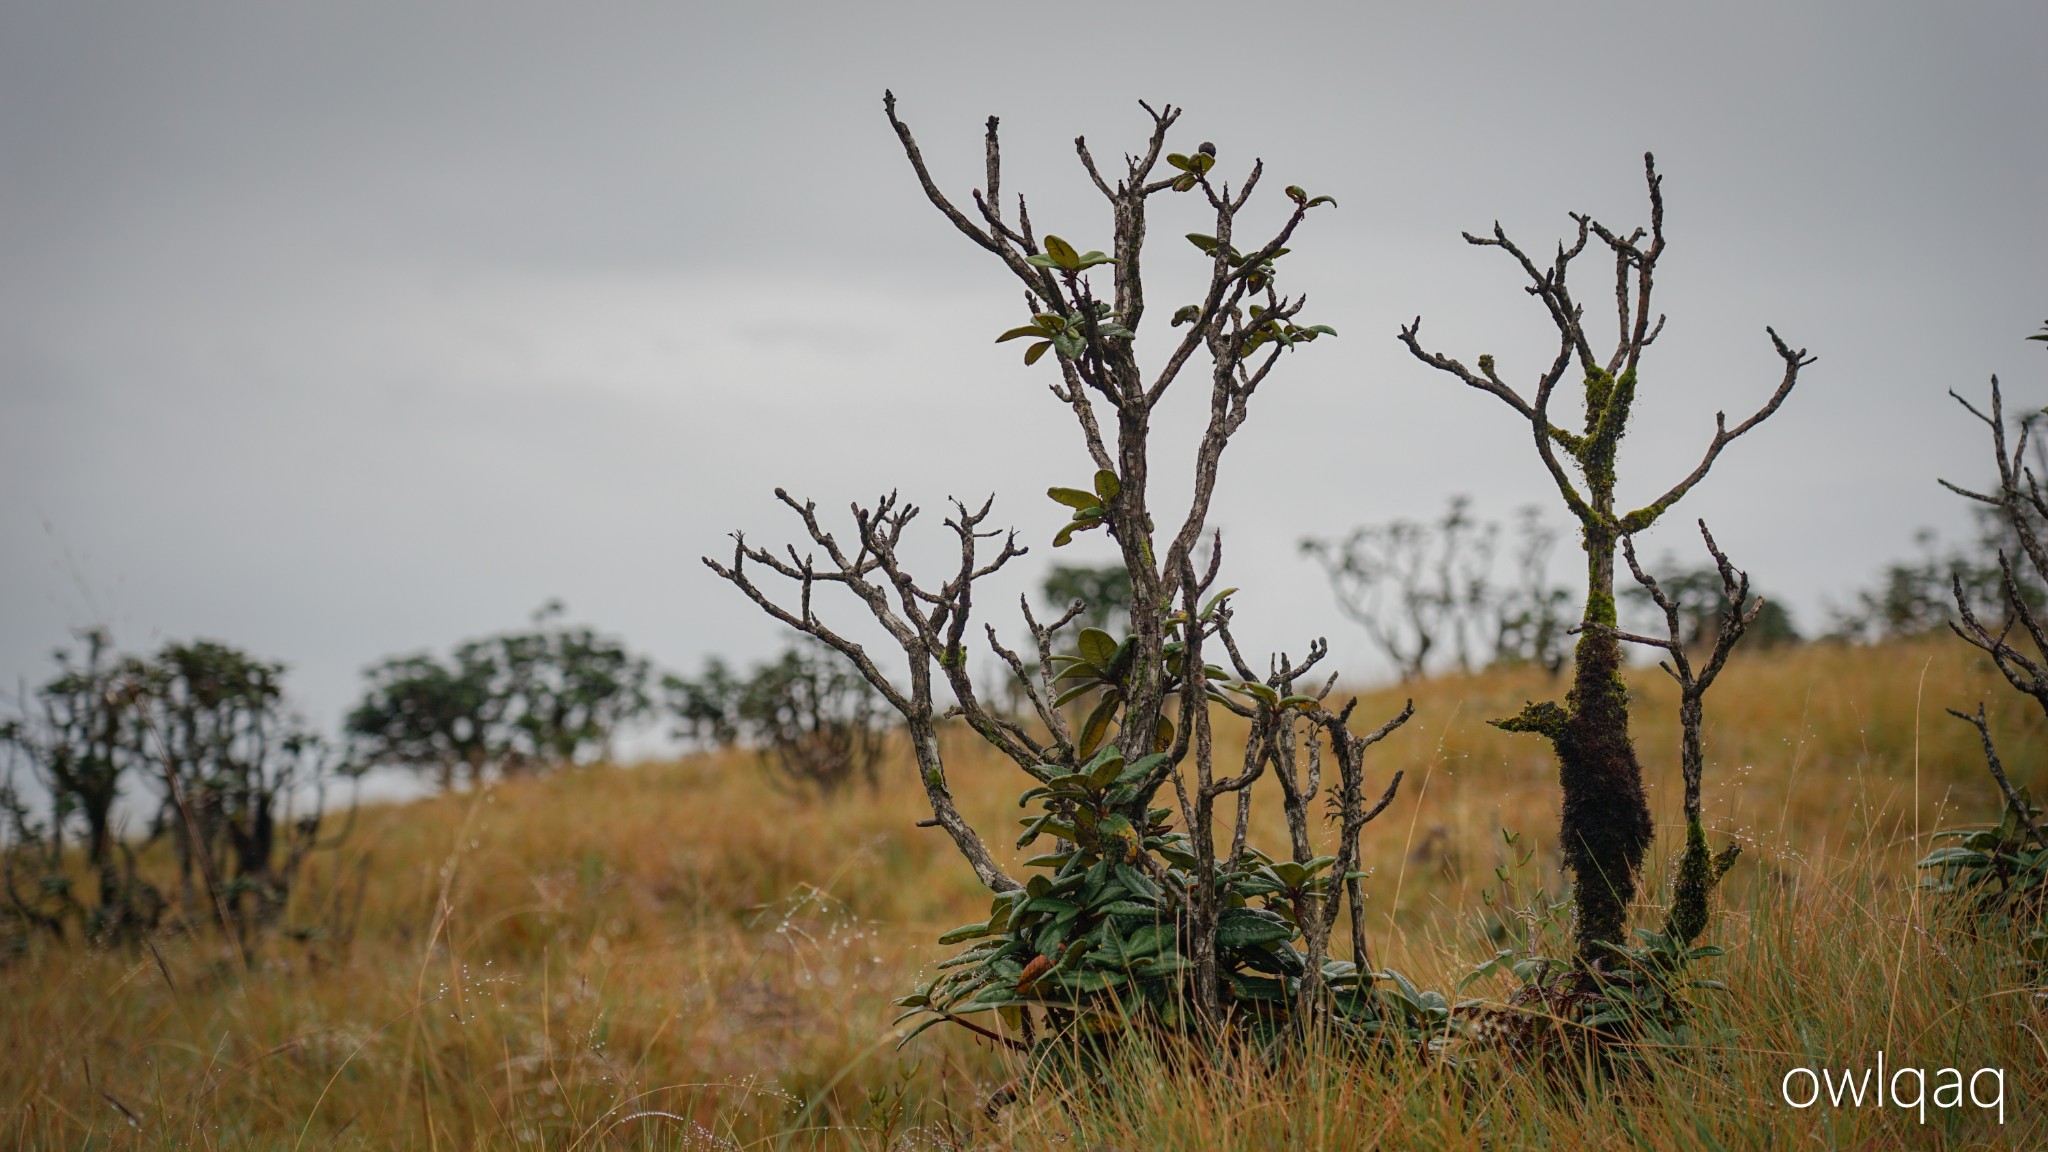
<point x="1105" y="592"/>
<point x="815" y="722"/>
<point x="506" y="704"/>
<point x="1703" y="606"/>
<point x="1917" y="596"/>
<point x="239" y="784"/>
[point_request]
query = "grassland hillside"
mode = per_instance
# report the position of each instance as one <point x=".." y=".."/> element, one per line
<point x="678" y="955"/>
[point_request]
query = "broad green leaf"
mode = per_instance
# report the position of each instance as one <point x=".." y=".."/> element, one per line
<point x="1075" y="693"/>
<point x="1406" y="985"/>
<point x="1081" y="670"/>
<point x="1107" y="486"/>
<point x="1140" y="768"/>
<point x="1097" y="760"/>
<point x="1032" y="830"/>
<point x="1097" y="725"/>
<point x="1262" y="692"/>
<point x="1020" y="333"/>
<point x="1096" y="646"/>
<point x="1241" y="928"/>
<point x="1136" y="881"/>
<point x="965" y="932"/>
<point x="1063" y="252"/>
<point x="1074" y="497"/>
<point x="1035" y="352"/>
<point x="1147" y="938"/>
<point x="1124" y="651"/>
<point x="1095" y="981"/>
<point x="1258" y="988"/>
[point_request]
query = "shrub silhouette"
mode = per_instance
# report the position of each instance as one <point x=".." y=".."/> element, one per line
<point x="510" y="703"/>
<point x="2003" y="871"/>
<point x="809" y="715"/>
<point x="1605" y="828"/>
<point x="1127" y="918"/>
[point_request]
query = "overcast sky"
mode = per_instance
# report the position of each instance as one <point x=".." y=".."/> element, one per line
<point x="336" y="331"/>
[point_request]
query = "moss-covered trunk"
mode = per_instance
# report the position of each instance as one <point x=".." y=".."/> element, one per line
<point x="1605" y="826"/>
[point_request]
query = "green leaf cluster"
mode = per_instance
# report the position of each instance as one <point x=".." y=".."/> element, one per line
<point x="1642" y="998"/>
<point x="1069" y="334"/>
<point x="1061" y="255"/>
<point x="1999" y="877"/>
<point x="1280" y="332"/>
<point x="1090" y="505"/>
<point x="1296" y="194"/>
<point x="1192" y="168"/>
<point x="1102" y="664"/>
<point x="1257" y="271"/>
<point x="1099" y="939"/>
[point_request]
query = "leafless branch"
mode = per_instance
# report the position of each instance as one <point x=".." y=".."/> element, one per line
<point x="2012" y="797"/>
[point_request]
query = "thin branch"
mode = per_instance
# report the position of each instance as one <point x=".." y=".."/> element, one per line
<point x="1723" y="436"/>
<point x="2012" y="797"/>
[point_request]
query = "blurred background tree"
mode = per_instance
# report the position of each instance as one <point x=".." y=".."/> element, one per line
<point x="812" y="719"/>
<point x="514" y="702"/>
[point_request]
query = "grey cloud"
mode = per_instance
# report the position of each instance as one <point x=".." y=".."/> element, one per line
<point x="348" y="330"/>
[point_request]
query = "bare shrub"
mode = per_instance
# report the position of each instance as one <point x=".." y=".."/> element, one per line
<point x="1126" y="919"/>
<point x="1606" y="828"/>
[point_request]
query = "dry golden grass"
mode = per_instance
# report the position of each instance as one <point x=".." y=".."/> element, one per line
<point x="678" y="956"/>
